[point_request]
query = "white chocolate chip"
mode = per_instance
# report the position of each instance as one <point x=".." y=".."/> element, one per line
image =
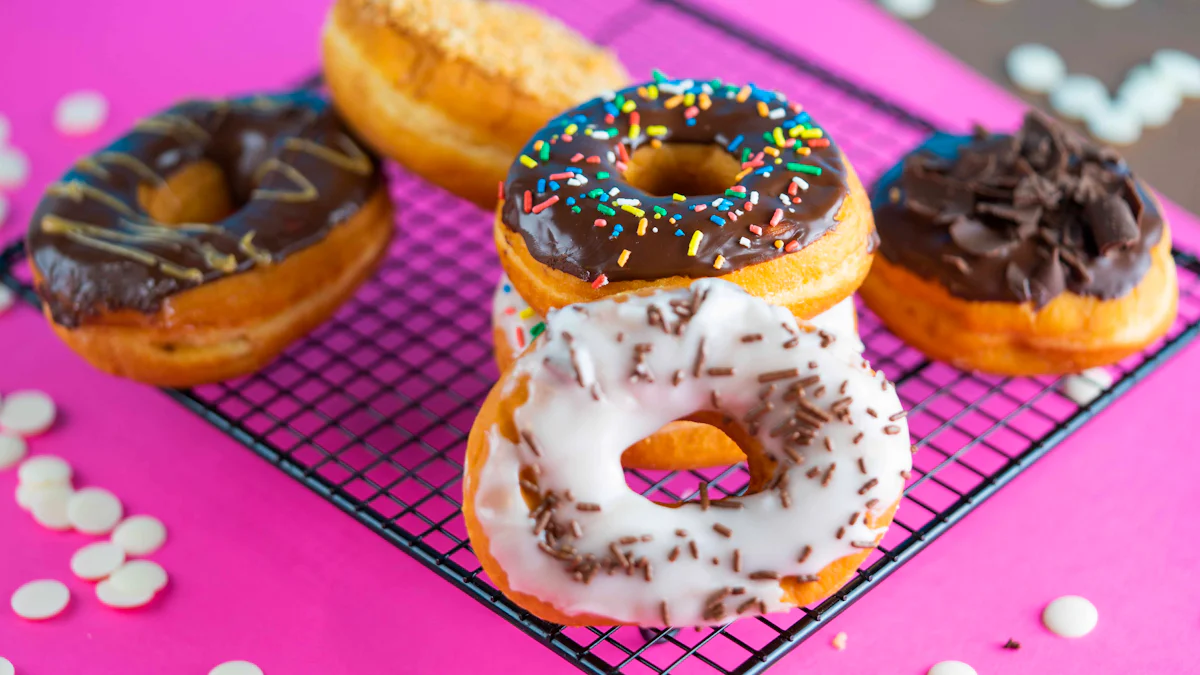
<point x="94" y="511"/>
<point x="80" y="113"/>
<point x="14" y="168"/>
<point x="908" y="9"/>
<point x="6" y="667"/>
<point x="1086" y="386"/>
<point x="1182" y="68"/>
<point x="29" y="495"/>
<point x="12" y="450"/>
<point x="1152" y="95"/>
<point x="952" y="668"/>
<point x="1078" y="96"/>
<point x="1035" y="67"/>
<point x="236" y="668"/>
<point x="49" y="508"/>
<point x="97" y="561"/>
<point x="27" y="413"/>
<point x="44" y="470"/>
<point x="40" y="599"/>
<point x="111" y="596"/>
<point x="1117" y="124"/>
<point x="140" y="535"/>
<point x="1070" y="616"/>
<point x="139" y="576"/>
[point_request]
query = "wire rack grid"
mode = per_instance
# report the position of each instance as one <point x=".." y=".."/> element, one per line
<point x="372" y="409"/>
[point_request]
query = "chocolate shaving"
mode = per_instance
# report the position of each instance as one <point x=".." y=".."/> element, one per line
<point x="976" y="238"/>
<point x="1112" y="223"/>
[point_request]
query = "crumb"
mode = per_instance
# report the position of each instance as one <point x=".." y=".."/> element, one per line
<point x="1012" y="644"/>
<point x="839" y="642"/>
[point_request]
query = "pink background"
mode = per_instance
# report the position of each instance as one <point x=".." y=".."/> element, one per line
<point x="264" y="570"/>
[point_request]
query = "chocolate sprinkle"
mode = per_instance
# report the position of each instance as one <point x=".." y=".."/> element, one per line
<point x="778" y="375"/>
<point x="764" y="575"/>
<point x="804" y="554"/>
<point x="722" y="530"/>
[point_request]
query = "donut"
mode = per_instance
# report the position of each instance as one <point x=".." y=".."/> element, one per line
<point x="559" y="532"/>
<point x="1021" y="254"/>
<point x="199" y="245"/>
<point x="657" y="185"/>
<point x="515" y="325"/>
<point x="681" y="445"/>
<point x="452" y="88"/>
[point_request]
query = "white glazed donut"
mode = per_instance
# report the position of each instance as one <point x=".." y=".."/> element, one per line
<point x="515" y="324"/>
<point x="558" y="530"/>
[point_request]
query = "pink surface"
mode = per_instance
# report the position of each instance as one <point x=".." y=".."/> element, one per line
<point x="264" y="570"/>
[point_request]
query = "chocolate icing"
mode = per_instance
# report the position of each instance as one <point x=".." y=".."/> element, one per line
<point x="292" y="170"/>
<point x="1018" y="218"/>
<point x="597" y="137"/>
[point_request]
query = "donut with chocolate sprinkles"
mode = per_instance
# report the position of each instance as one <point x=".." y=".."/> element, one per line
<point x="201" y="243"/>
<point x="681" y="445"/>
<point x="788" y="541"/>
<point x="1037" y="252"/>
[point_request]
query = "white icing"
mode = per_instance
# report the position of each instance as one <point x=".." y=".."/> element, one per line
<point x="513" y="317"/>
<point x="580" y="440"/>
<point x="519" y="322"/>
<point x="1071" y="616"/>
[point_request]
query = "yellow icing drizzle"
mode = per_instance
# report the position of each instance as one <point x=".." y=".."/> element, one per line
<point x="307" y="192"/>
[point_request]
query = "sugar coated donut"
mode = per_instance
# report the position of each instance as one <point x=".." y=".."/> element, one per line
<point x="200" y="244"/>
<point x="1021" y="254"/>
<point x="560" y="533"/>
<point x="659" y="184"/>
<point x="452" y="88"/>
<point x="679" y="445"/>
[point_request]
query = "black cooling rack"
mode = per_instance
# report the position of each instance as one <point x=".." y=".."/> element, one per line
<point x="372" y="410"/>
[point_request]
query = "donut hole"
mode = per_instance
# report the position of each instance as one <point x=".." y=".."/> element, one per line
<point x="682" y="168"/>
<point x="701" y="450"/>
<point x="196" y="193"/>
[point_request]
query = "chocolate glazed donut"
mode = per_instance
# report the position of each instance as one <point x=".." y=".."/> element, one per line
<point x="1021" y="254"/>
<point x="662" y="183"/>
<point x="210" y="236"/>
